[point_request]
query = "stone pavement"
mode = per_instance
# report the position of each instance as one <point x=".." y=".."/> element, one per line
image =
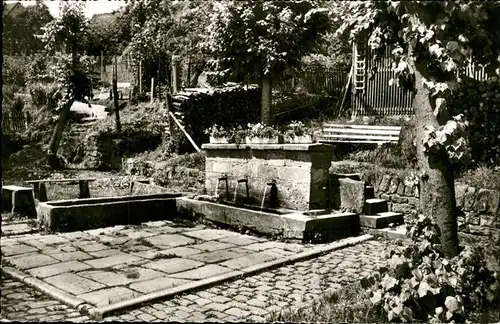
<point x="251" y="298"/>
<point x="105" y="266"/>
<point x="18" y="228"/>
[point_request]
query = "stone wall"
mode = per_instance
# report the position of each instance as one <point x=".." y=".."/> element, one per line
<point x="299" y="170"/>
<point x="479" y="209"/>
<point x="100" y="152"/>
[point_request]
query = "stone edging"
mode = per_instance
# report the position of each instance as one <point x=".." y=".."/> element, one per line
<point x="81" y="305"/>
<point x="97" y="313"/>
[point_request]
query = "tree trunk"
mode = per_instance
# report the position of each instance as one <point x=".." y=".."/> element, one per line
<point x="57" y="135"/>
<point x="437" y="191"/>
<point x="115" y="97"/>
<point x="266" y="112"/>
<point x="61" y="121"/>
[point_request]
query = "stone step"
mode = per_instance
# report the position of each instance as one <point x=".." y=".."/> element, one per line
<point x="374" y="206"/>
<point x="369" y="192"/>
<point x="381" y="220"/>
<point x="397" y="233"/>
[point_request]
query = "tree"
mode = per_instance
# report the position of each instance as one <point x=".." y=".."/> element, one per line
<point x="260" y="39"/>
<point x="434" y="41"/>
<point x="21" y="28"/>
<point x="67" y="33"/>
<point x="161" y="29"/>
<point x="108" y="33"/>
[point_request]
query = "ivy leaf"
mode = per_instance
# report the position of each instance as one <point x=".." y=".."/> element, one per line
<point x="389" y="282"/>
<point x="376" y="298"/>
<point x="424" y="288"/>
<point x="449" y="65"/>
<point x="452" y="46"/>
<point x="440" y="106"/>
<point x="418" y="274"/>
<point x="436" y="50"/>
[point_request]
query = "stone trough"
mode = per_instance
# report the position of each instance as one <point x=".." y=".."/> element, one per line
<point x="84" y="214"/>
<point x="302" y="226"/>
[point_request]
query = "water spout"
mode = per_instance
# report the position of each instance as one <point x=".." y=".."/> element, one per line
<point x="263" y="198"/>
<point x="274" y="195"/>
<point x="236" y="191"/>
<point x="224" y="178"/>
<point x="238" y="184"/>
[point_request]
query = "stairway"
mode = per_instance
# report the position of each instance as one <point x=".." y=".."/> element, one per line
<point x="376" y="214"/>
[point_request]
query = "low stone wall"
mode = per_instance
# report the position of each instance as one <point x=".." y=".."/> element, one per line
<point x="300" y="171"/>
<point x="479" y="209"/>
<point x="100" y="152"/>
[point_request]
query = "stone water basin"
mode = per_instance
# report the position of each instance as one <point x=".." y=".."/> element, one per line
<point x="307" y="226"/>
<point x="84" y="214"/>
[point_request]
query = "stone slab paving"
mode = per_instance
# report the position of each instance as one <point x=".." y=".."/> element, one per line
<point x="18" y="227"/>
<point x="249" y="299"/>
<point x="93" y="265"/>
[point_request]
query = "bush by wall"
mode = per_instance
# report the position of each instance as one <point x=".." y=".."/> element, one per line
<point x="480" y="103"/>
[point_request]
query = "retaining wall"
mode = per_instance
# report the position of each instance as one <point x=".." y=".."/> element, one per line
<point x="479" y="209"/>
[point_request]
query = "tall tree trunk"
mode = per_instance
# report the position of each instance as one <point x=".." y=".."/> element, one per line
<point x="115" y="97"/>
<point x="57" y="135"/>
<point x="266" y="112"/>
<point x="437" y="191"/>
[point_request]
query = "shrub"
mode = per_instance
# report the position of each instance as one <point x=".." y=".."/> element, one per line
<point x="420" y="284"/>
<point x="45" y="95"/>
<point x="15" y="70"/>
<point x="480" y="103"/>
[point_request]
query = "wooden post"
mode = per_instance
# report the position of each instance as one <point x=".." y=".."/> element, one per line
<point x="36" y="190"/>
<point x="152" y="89"/>
<point x="84" y="189"/>
<point x="115" y="97"/>
<point x="168" y="105"/>
<point x="42" y="194"/>
<point x="175" y="74"/>
<point x="158" y="79"/>
<point x="102" y="67"/>
<point x="140" y="76"/>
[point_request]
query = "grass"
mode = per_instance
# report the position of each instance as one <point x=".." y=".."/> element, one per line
<point x="481" y="177"/>
<point x="350" y="304"/>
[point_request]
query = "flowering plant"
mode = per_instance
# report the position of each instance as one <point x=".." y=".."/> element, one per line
<point x="216" y="131"/>
<point x="297" y="128"/>
<point x="262" y="130"/>
<point x="238" y="135"/>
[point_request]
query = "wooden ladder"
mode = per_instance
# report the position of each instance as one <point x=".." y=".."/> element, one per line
<point x="359" y="70"/>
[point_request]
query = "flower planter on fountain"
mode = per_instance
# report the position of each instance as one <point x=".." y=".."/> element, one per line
<point x="304" y="139"/>
<point x="297" y="133"/>
<point x="218" y="140"/>
<point x="264" y="140"/>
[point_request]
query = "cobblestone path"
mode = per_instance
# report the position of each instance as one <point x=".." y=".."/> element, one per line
<point x="248" y="299"/>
